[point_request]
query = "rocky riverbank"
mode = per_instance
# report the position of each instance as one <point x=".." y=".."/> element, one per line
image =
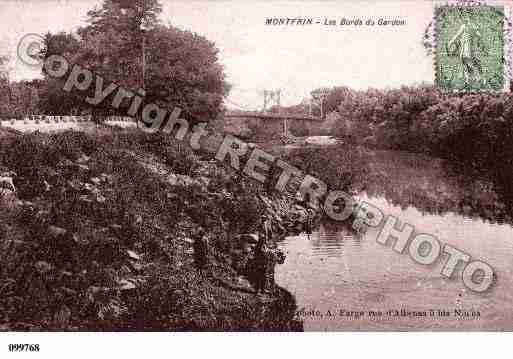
<point x="97" y="234"/>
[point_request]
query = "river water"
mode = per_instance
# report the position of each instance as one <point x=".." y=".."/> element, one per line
<point x="338" y="277"/>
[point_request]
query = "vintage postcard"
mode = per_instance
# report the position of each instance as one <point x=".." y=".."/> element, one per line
<point x="255" y="165"/>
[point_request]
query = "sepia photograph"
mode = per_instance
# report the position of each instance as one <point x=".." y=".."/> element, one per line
<point x="254" y="166"/>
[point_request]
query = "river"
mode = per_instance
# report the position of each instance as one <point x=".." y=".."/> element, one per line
<point x="338" y="277"/>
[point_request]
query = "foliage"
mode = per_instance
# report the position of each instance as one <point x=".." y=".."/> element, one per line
<point x="19" y="99"/>
<point x="96" y="238"/>
<point x="472" y="130"/>
<point x="126" y="44"/>
<point x="341" y="167"/>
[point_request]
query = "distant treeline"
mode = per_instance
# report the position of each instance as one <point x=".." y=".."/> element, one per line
<point x="19" y="99"/>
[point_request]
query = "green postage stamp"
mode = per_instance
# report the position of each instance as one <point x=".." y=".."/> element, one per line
<point x="470" y="48"/>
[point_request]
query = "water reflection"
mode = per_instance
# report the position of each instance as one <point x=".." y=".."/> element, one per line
<point x="432" y="186"/>
<point x="334" y="268"/>
<point x="329" y="240"/>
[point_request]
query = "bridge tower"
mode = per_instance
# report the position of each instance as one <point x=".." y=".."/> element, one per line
<point x="273" y="98"/>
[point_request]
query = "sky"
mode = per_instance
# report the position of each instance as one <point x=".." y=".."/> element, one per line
<point x="258" y="57"/>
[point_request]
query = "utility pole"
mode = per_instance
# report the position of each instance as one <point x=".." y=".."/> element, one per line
<point x="319" y="97"/>
<point x="143" y="69"/>
<point x="143" y="60"/>
<point x="274" y="98"/>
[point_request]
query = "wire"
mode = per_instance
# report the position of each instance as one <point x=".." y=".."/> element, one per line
<point x="241" y="107"/>
<point x="258" y="91"/>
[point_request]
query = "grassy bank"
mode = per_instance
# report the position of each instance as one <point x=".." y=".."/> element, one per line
<point x="98" y="236"/>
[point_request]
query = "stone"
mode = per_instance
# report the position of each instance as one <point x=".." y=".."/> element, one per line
<point x="55" y="231"/>
<point x="124" y="284"/>
<point x="247" y="238"/>
<point x="65" y="163"/>
<point x="43" y="267"/>
<point x="85" y="198"/>
<point x="83" y="159"/>
<point x="83" y="167"/>
<point x="96" y="180"/>
<point x="133" y="255"/>
<point x="100" y="198"/>
<point x="6" y="181"/>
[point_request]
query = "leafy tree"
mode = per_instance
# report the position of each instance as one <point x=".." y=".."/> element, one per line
<point x="5" y="89"/>
<point x="17" y="98"/>
<point x="183" y="70"/>
<point x="125" y="43"/>
<point x="335" y="96"/>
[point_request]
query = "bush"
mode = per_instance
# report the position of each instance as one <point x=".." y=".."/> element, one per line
<point x="340" y="167"/>
<point x="71" y="145"/>
<point x="474" y="131"/>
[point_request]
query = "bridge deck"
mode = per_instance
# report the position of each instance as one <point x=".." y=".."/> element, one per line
<point x="273" y="117"/>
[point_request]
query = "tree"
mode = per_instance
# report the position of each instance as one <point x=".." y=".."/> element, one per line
<point x="17" y="98"/>
<point x="5" y="87"/>
<point x="125" y="43"/>
<point x="332" y="97"/>
<point x="53" y="100"/>
<point x="183" y="70"/>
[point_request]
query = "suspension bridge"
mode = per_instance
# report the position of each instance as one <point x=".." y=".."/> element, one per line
<point x="272" y="100"/>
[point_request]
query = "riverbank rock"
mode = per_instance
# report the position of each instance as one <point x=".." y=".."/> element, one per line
<point x="250" y="238"/>
<point x="101" y="245"/>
